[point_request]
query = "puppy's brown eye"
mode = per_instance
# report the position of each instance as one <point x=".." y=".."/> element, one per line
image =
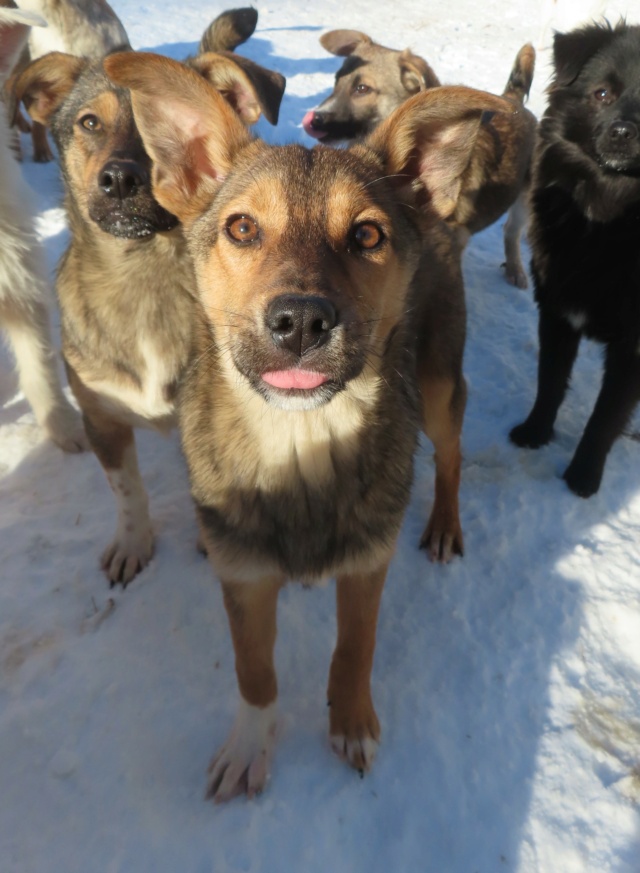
<point x="242" y="229"/>
<point x="361" y="88"/>
<point x="368" y="236"/>
<point x="90" y="123"/>
<point x="602" y="95"/>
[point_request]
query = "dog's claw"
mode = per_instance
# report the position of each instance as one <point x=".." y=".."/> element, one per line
<point x="126" y="557"/>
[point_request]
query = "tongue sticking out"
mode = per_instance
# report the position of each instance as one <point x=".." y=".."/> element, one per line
<point x="300" y="380"/>
<point x="307" y="123"/>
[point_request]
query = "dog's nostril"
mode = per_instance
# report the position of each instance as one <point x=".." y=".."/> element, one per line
<point x="317" y="122"/>
<point x="623" y="130"/>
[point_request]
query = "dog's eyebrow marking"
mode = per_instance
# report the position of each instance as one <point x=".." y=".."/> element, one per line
<point x="351" y="63"/>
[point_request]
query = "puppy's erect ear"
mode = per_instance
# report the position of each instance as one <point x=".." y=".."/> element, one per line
<point x="45" y="83"/>
<point x="229" y="30"/>
<point x="572" y="50"/>
<point x="415" y="73"/>
<point x="14" y="30"/>
<point x="428" y="142"/>
<point x="188" y="129"/>
<point x="245" y="85"/>
<point x="344" y="42"/>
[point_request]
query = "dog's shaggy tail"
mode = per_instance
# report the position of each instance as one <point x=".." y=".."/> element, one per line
<point x="229" y="30"/>
<point x="521" y="76"/>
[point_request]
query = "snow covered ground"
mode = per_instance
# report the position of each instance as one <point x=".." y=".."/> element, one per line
<point x="507" y="683"/>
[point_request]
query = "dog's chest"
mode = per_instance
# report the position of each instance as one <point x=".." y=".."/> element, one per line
<point x="589" y="272"/>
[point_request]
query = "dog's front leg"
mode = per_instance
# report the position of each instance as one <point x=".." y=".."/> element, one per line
<point x="354" y="729"/>
<point x="515" y="273"/>
<point x="115" y="448"/>
<point x="241" y="766"/>
<point x="444" y="401"/>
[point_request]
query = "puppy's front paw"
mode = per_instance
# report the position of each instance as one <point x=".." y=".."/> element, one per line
<point x="515" y="275"/>
<point x="242" y="765"/>
<point x="64" y="426"/>
<point x="128" y="554"/>
<point x="354" y="731"/>
<point x="530" y="435"/>
<point x="442" y="538"/>
<point x="583" y="478"/>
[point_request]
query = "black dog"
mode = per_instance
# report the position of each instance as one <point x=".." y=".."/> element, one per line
<point x="585" y="238"/>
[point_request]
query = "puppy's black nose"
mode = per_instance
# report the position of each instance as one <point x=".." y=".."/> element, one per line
<point x="300" y="324"/>
<point x="318" y="121"/>
<point x="122" y="179"/>
<point x="623" y="130"/>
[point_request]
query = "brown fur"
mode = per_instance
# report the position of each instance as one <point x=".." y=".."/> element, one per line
<point x="497" y="178"/>
<point x="125" y="283"/>
<point x="295" y="483"/>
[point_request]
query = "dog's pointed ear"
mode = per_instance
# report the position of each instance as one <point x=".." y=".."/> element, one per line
<point x="229" y="30"/>
<point x="249" y="88"/>
<point x="428" y="141"/>
<point x="187" y="127"/>
<point x="44" y="84"/>
<point x="415" y="73"/>
<point x="344" y="42"/>
<point x="571" y="51"/>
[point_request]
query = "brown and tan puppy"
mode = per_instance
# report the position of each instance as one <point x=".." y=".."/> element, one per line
<point x="332" y="310"/>
<point x="125" y="282"/>
<point x="374" y="80"/>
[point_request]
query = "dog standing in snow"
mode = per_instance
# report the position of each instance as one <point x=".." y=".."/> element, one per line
<point x="23" y="312"/>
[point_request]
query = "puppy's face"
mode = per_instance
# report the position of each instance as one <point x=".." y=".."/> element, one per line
<point x="104" y="161"/>
<point x="597" y="95"/>
<point x="304" y="261"/>
<point x="370" y="84"/>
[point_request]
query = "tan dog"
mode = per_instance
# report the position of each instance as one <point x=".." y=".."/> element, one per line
<point x="321" y="276"/>
<point x="24" y="314"/>
<point x="125" y="282"/>
<point x="374" y="80"/>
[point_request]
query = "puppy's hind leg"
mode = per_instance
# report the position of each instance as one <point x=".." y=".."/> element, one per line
<point x="513" y="268"/>
<point x="115" y="448"/>
<point x="444" y="401"/>
<point x="27" y="327"/>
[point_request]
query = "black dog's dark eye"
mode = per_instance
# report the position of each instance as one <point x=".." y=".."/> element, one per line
<point x="362" y="88"/>
<point x="602" y="95"/>
<point x="242" y="229"/>
<point x="368" y="236"/>
<point x="90" y="122"/>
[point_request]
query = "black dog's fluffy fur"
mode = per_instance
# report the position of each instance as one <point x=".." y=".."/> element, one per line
<point x="585" y="238"/>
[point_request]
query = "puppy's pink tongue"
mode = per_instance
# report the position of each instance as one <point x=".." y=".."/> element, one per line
<point x="302" y="380"/>
<point x="307" y="123"/>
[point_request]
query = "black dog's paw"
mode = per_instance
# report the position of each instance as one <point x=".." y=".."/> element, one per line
<point x="529" y="435"/>
<point x="582" y="478"/>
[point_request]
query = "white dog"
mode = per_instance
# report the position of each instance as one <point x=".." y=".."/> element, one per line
<point x="23" y="311"/>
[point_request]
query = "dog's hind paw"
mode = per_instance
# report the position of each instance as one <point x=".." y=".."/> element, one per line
<point x="583" y="479"/>
<point x="64" y="426"/>
<point x="242" y="764"/>
<point x="354" y="729"/>
<point x="529" y="435"/>
<point x="128" y="554"/>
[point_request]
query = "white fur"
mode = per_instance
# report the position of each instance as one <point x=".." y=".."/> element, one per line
<point x="23" y="311"/>
<point x="576" y="319"/>
<point x="243" y="763"/>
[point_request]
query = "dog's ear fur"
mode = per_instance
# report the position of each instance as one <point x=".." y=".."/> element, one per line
<point x="343" y="42"/>
<point x="45" y="83"/>
<point x="571" y="51"/>
<point x="229" y="30"/>
<point x="427" y="142"/>
<point x="189" y="130"/>
<point x="249" y="88"/>
<point x="415" y="73"/>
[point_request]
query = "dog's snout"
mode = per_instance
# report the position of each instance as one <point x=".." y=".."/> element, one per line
<point x="623" y="130"/>
<point x="122" y="179"/>
<point x="300" y="324"/>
